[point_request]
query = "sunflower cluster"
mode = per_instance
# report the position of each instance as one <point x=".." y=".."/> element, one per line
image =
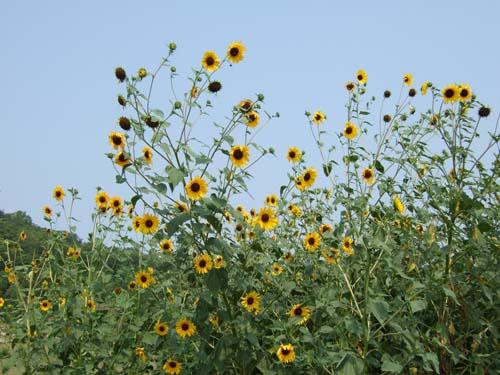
<point x="306" y="179"/>
<point x="456" y="93"/>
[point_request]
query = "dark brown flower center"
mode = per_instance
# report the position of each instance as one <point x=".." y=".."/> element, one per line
<point x="172" y="364"/>
<point x="298" y="311"/>
<point x="349" y="86"/>
<point x="116" y="203"/>
<point x="102" y="199"/>
<point x="348" y="130"/>
<point x="238" y="154"/>
<point x="185" y="326"/>
<point x="360" y="77"/>
<point x="144" y="278"/>
<point x="307" y="176"/>
<point x="234" y="51"/>
<point x="464" y="93"/>
<point x="117" y="140"/>
<point x="202" y="263"/>
<point x="449" y="93"/>
<point x="311" y="241"/>
<point x="161" y="328"/>
<point x="368" y="174"/>
<point x="210" y="61"/>
<point x="291" y="154"/>
<point x="318" y="117"/>
<point x="251" y="117"/>
<point x="285" y="351"/>
<point x="195" y="187"/>
<point x="58" y="193"/>
<point x="149" y="223"/>
<point x="264" y="218"/>
<point x="250" y="301"/>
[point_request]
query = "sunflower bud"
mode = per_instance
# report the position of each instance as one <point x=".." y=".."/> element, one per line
<point x="214" y="86"/>
<point x="172" y="46"/>
<point x="177" y="105"/>
<point x="484" y="111"/>
<point x="124" y="123"/>
<point x="260" y="97"/>
<point x="122" y="101"/>
<point x="120" y="74"/>
<point x="387" y="94"/>
<point x="173" y="69"/>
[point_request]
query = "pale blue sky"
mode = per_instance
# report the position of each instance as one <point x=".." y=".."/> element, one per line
<point x="58" y="90"/>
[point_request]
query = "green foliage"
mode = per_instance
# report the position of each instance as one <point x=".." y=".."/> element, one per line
<point x="391" y="267"/>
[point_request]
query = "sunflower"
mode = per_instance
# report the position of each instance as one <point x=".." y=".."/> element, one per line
<point x="325" y="228"/>
<point x="398" y="204"/>
<point x="251" y="302"/>
<point x="137" y="223"/>
<point x="214" y="320"/>
<point x="235" y="52"/>
<point x="219" y="261"/>
<point x="45" y="305"/>
<point x="23" y="236"/>
<point x="47" y="211"/>
<point x="172" y="367"/>
<point x="246" y="105"/>
<point x="267" y="219"/>
<point x="309" y="177"/>
<point x="347" y="245"/>
<point x="252" y="119"/>
<point x="287" y="257"/>
<point x="185" y="328"/>
<point x="122" y="159"/>
<point x="272" y="200"/>
<point x="301" y="312"/>
<point x="330" y="255"/>
<point x="181" y="207"/>
<point x="318" y="117"/>
<point x="214" y="86"/>
<point x="361" y="76"/>
<point x="147" y="153"/>
<point x="350" y="86"/>
<point x="140" y="353"/>
<point x="350" y="130"/>
<point x="161" y="328"/>
<point x="91" y="305"/>
<point x="368" y="176"/>
<point x="196" y="188"/>
<point x="239" y="155"/>
<point x="286" y="353"/>
<point x="142" y="73"/>
<point x="294" y="155"/>
<point x="408" y="79"/>
<point x="58" y="193"/>
<point x="166" y="245"/>
<point x="144" y="279"/>
<point x="202" y="263"/>
<point x="277" y="269"/>
<point x="11" y="277"/>
<point x="149" y="224"/>
<point x="117" y="140"/>
<point x="2" y="302"/>
<point x="102" y="199"/>
<point x="450" y="93"/>
<point x="312" y="241"/>
<point x="132" y="285"/>
<point x="115" y="202"/>
<point x="295" y="210"/>
<point x="464" y="92"/>
<point x="299" y="183"/>
<point x="424" y="87"/>
<point x="210" y="61"/>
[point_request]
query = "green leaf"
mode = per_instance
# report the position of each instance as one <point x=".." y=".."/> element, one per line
<point x="451" y="294"/>
<point x="379" y="167"/>
<point x="379" y="308"/>
<point x="388" y="365"/>
<point x="120" y="179"/>
<point x="135" y="198"/>
<point x="174" y="175"/>
<point x="176" y="222"/>
<point x="349" y="365"/>
<point x="418" y="305"/>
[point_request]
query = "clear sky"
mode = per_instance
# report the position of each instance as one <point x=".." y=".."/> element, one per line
<point x="58" y="90"/>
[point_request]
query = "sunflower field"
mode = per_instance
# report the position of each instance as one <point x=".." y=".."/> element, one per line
<point x="382" y="259"/>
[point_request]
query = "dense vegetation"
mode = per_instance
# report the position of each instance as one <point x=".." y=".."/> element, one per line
<point x="388" y="263"/>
